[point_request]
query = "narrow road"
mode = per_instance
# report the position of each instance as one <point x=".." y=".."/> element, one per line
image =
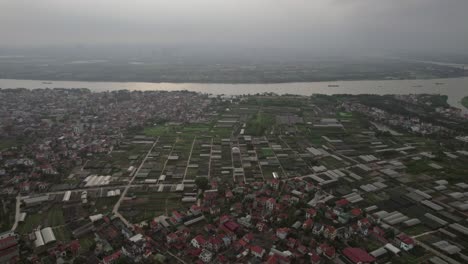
<point x="258" y="164"/>
<point x="209" y="162"/>
<point x="17" y="212"/>
<point x="426" y="233"/>
<point x="240" y="159"/>
<point x="115" y="210"/>
<point x="188" y="160"/>
<point x="280" y="165"/>
<point x="167" y="160"/>
<point x="97" y="189"/>
<point x="176" y="257"/>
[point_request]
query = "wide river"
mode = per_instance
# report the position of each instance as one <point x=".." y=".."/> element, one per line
<point x="454" y="88"/>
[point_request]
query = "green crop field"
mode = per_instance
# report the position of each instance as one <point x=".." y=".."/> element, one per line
<point x="62" y="233"/>
<point x="259" y="123"/>
<point x="345" y="114"/>
<point x="55" y="216"/>
<point x="267" y="152"/>
<point x="31" y="222"/>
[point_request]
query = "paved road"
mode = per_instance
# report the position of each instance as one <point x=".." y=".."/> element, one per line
<point x="93" y="188"/>
<point x="115" y="210"/>
<point x="426" y="233"/>
<point x="176" y="257"/>
<point x="17" y="213"/>
<point x="99" y="188"/>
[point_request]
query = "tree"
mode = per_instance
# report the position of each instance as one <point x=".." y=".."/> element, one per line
<point x="202" y="183"/>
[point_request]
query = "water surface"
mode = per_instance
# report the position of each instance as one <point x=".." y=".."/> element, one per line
<point x="454" y="88"/>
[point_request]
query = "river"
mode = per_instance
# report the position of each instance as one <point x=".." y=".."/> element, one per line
<point x="454" y="88"/>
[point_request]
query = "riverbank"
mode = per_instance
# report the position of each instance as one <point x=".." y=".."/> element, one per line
<point x="454" y="88"/>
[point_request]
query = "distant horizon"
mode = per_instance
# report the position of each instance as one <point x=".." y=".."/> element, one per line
<point x="316" y="27"/>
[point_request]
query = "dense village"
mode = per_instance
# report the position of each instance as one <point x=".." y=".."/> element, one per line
<point x="183" y="177"/>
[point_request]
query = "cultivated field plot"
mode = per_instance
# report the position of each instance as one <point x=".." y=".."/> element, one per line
<point x="177" y="160"/>
<point x="52" y="217"/>
<point x="250" y="163"/>
<point x="119" y="162"/>
<point x="190" y="130"/>
<point x="143" y="205"/>
<point x="7" y="214"/>
<point x="199" y="162"/>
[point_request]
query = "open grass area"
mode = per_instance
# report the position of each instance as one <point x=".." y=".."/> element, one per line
<point x="418" y="167"/>
<point x="86" y="243"/>
<point x="186" y="129"/>
<point x="104" y="205"/>
<point x="159" y="130"/>
<point x="149" y="204"/>
<point x="266" y="152"/>
<point x="5" y="144"/>
<point x="464" y="101"/>
<point x="7" y="214"/>
<point x="62" y="233"/>
<point x="345" y="114"/>
<point x="52" y="217"/>
<point x="258" y="124"/>
<point x="221" y="132"/>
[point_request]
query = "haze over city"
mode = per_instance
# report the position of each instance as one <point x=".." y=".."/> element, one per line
<point x="296" y="26"/>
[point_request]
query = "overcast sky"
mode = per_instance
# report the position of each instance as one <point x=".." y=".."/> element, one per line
<point x="315" y="25"/>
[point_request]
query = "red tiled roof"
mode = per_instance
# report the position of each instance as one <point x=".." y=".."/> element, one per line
<point x="314" y="257"/>
<point x="272" y="260"/>
<point x="248" y="237"/>
<point x="200" y="239"/>
<point x="195" y="252"/>
<point x="358" y="255"/>
<point x="308" y="223"/>
<point x="311" y="211"/>
<point x="364" y="221"/>
<point x="232" y="226"/>
<point x="7" y="242"/>
<point x="242" y="242"/>
<point x="74" y="245"/>
<point x="257" y="249"/>
<point x="328" y="250"/>
<point x="342" y="202"/>
<point x="406" y="239"/>
<point x="112" y="257"/>
<point x="356" y="211"/>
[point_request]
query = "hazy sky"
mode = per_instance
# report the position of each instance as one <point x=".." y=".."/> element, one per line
<point x="315" y="25"/>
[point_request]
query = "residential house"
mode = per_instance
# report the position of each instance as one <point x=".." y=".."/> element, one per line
<point x="405" y="242"/>
<point x="282" y="233"/>
<point x="257" y="251"/>
<point x="199" y="242"/>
